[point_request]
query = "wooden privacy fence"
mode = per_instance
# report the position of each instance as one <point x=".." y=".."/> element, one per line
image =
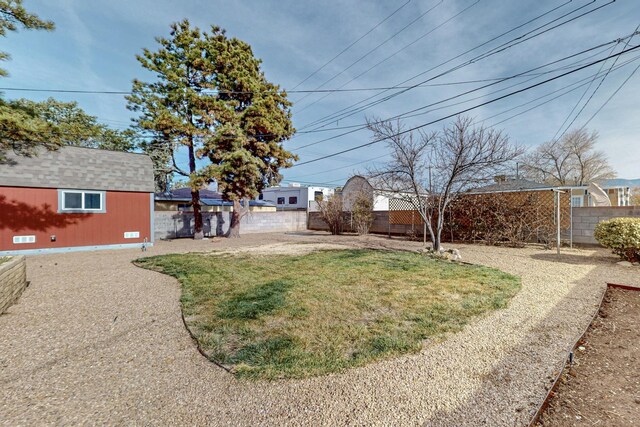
<point x="511" y="217"/>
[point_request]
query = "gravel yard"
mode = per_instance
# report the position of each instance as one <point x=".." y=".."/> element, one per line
<point x="96" y="340"/>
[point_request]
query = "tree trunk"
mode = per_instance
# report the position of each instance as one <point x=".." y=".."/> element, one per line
<point x="198" y="233"/>
<point x="236" y="216"/>
<point x="234" y="228"/>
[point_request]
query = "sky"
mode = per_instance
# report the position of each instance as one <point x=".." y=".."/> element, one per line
<point x="457" y="45"/>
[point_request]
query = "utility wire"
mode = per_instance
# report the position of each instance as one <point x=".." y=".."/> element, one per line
<point x="351" y="45"/>
<point x="375" y="141"/>
<point x="393" y="54"/>
<point x="595" y="90"/>
<point x="565" y="91"/>
<point x="374" y="49"/>
<point x="407" y="113"/>
<point x="349" y="111"/>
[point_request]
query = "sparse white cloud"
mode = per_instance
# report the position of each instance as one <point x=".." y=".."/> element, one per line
<point x="95" y="43"/>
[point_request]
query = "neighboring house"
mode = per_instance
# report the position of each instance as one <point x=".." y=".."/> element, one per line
<point x="211" y="201"/>
<point x="379" y="191"/>
<point x="580" y="196"/>
<point x="75" y="199"/>
<point x="295" y="196"/>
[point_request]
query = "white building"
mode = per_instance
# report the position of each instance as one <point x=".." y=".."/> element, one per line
<point x="378" y="191"/>
<point x="295" y="196"/>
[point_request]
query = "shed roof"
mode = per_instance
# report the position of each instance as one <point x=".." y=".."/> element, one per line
<point x="79" y="168"/>
<point x="515" y="184"/>
<point x="184" y="194"/>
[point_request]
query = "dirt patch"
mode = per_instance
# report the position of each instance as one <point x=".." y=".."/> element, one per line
<point x="282" y="249"/>
<point x="603" y="386"/>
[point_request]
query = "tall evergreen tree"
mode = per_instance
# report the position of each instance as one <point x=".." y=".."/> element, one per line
<point x="21" y="129"/>
<point x="211" y="98"/>
<point x="75" y="127"/>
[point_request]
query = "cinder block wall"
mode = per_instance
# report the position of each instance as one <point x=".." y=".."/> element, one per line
<point x="585" y="219"/>
<point x="170" y="225"/>
<point x="13" y="281"/>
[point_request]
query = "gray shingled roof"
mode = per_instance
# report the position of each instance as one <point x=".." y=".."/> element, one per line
<point x="511" y="185"/>
<point x="79" y="168"/>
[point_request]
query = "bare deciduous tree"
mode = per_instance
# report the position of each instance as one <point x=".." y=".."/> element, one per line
<point x="430" y="170"/>
<point x="362" y="212"/>
<point x="572" y="160"/>
<point x="331" y="213"/>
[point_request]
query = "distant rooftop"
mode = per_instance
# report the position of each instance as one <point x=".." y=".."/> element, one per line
<point x="184" y="194"/>
<point x="511" y="184"/>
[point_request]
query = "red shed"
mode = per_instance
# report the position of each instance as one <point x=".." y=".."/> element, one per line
<point x="75" y="199"/>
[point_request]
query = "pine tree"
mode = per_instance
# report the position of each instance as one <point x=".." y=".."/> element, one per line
<point x="211" y="97"/>
<point x="21" y="129"/>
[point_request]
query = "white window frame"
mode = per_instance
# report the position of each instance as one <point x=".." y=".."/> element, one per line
<point x="580" y="204"/>
<point x="83" y="209"/>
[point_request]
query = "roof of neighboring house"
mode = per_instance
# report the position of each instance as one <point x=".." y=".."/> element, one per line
<point x="79" y="168"/>
<point x="207" y="198"/>
<point x="515" y="184"/>
<point x="184" y="195"/>
<point x="518" y="184"/>
<point x="379" y="184"/>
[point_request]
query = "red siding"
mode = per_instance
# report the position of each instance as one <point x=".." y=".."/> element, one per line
<point x="34" y="211"/>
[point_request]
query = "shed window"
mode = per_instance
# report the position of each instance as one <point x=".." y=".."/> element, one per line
<point x="318" y="196"/>
<point x="81" y="201"/>
<point x="293" y="200"/>
<point x="281" y="200"/>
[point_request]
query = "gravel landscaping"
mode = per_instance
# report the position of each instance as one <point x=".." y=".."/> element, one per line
<point x="96" y="340"/>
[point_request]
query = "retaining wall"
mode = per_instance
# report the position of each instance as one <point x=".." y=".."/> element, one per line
<point x="13" y="281"/>
<point x="585" y="219"/>
<point x="171" y="225"/>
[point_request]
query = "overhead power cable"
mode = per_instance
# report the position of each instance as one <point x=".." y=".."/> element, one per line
<point x="360" y="107"/>
<point x="352" y="44"/>
<point x="491" y="101"/>
<point x="594" y="91"/>
<point x="560" y="93"/>
<point x="392" y="55"/>
<point x="407" y="113"/>
<point x="378" y="46"/>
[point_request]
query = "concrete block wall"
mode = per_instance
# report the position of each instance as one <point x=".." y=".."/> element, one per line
<point x="584" y="220"/>
<point x="171" y="225"/>
<point x="13" y="281"/>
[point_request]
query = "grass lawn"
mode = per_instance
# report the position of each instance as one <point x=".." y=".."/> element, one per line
<point x="280" y="316"/>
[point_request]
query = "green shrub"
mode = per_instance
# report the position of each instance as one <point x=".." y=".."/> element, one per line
<point x="622" y="235"/>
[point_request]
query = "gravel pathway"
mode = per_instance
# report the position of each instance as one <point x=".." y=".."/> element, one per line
<point x="95" y="340"/>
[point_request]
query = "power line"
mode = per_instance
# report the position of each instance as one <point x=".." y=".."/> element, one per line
<point x="352" y="44"/>
<point x="611" y="97"/>
<point x="363" y="126"/>
<point x="565" y="91"/>
<point x="349" y="111"/>
<point x="595" y="90"/>
<point x="374" y="49"/>
<point x="394" y="54"/>
<point x="467" y="109"/>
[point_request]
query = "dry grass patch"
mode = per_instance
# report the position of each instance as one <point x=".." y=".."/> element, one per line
<point x="279" y="316"/>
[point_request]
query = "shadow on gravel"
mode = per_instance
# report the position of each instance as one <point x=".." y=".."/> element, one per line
<point x="595" y="259"/>
<point x="527" y="371"/>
